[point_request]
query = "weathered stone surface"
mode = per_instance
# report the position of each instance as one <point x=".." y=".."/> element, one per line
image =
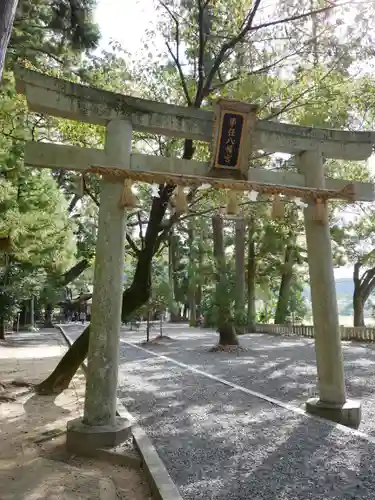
<point x="329" y="357"/>
<point x="102" y="366"/>
<point x="73" y="101"/>
<point x="48" y="155"/>
<point x="86" y="439"/>
<point x="348" y="414"/>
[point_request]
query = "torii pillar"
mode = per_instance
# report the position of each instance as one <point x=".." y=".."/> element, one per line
<point x="332" y="402"/>
<point x="100" y="426"/>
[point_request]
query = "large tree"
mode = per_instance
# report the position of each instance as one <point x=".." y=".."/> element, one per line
<point x="208" y="55"/>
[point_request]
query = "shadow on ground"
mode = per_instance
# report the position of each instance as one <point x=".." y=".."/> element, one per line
<point x="283" y="368"/>
<point x="26" y="339"/>
<point x="220" y="443"/>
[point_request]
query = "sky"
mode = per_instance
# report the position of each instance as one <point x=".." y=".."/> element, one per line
<point x="126" y="22"/>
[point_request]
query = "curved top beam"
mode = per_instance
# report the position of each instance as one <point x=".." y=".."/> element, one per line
<point x="74" y="101"/>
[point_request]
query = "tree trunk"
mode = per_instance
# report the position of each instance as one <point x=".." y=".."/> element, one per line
<point x="285" y="287"/>
<point x="48" y="322"/>
<point x="175" y="317"/>
<point x="281" y="312"/>
<point x="60" y="378"/>
<point x="198" y="292"/>
<point x="240" y="274"/>
<point x="363" y="287"/>
<point x="192" y="310"/>
<point x="2" y="328"/>
<point x="161" y="324"/>
<point x="358" y="311"/>
<point x="170" y="267"/>
<point x="227" y="333"/>
<point x="32" y="312"/>
<point x="134" y="297"/>
<point x="173" y="258"/>
<point x="7" y="13"/>
<point x="192" y="277"/>
<point x="251" y="277"/>
<point x="148" y="326"/>
<point x="185" y="312"/>
<point x="23" y="314"/>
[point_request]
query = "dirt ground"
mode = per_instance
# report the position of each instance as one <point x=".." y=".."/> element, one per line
<point x="34" y="464"/>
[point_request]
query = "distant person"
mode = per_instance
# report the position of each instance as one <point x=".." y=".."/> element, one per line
<point x="82" y="317"/>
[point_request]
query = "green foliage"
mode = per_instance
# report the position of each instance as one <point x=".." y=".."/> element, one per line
<point x="297" y="307"/>
<point x="52" y="30"/>
<point x="290" y="73"/>
<point x="34" y="212"/>
<point x="33" y="215"/>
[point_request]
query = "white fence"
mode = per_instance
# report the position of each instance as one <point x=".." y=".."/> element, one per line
<point x="347" y="333"/>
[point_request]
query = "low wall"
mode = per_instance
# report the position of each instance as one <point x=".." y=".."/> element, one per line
<point x="347" y="333"/>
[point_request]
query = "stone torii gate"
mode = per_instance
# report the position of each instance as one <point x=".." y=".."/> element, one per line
<point x="120" y="115"/>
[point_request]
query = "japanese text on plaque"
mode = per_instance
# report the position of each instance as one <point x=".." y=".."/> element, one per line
<point x="230" y="140"/>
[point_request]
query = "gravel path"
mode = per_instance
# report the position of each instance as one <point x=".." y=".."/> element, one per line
<point x="219" y="443"/>
<point x="283" y="368"/>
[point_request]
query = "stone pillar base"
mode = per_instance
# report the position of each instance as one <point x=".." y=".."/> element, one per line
<point x="348" y="414"/>
<point x="83" y="439"/>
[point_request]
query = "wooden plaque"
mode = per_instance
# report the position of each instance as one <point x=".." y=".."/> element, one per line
<point x="234" y="123"/>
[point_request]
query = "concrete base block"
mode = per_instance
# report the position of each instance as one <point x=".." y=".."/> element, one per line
<point x="348" y="414"/>
<point x="83" y="439"/>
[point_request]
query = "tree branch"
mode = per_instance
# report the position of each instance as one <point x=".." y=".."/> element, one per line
<point x="248" y="27"/>
<point x="366" y="279"/>
<point x="73" y="273"/>
<point x="176" y="56"/>
<point x="73" y="203"/>
<point x="295" y="99"/>
<point x="52" y="56"/>
<point x="92" y="196"/>
<point x="294" y="18"/>
<point x="369" y="288"/>
<point x="223" y="52"/>
<point x="258" y="71"/>
<point x="181" y="74"/>
<point x="173" y="220"/>
<point x="132" y="245"/>
<point x="201" y="48"/>
<point x="60" y="177"/>
<point x="164" y="234"/>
